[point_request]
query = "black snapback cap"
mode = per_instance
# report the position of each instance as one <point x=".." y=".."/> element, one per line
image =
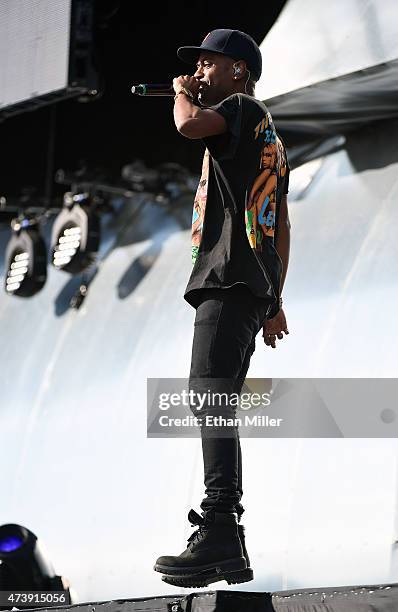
<point x="233" y="43"/>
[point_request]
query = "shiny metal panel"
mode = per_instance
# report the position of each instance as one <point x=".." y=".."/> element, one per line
<point x="313" y="41"/>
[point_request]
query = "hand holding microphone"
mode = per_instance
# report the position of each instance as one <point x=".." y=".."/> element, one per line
<point x="165" y="89"/>
<point x="188" y="83"/>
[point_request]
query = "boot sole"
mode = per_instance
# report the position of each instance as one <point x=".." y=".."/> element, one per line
<point x="215" y="568"/>
<point x="237" y="577"/>
<point x="233" y="571"/>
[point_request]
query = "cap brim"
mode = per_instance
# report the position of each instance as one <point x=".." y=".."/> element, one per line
<point x="189" y="54"/>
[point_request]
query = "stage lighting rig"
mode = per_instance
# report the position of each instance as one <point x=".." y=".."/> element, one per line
<point x="76" y="236"/>
<point x="166" y="183"/>
<point x="26" y="258"/>
<point x="140" y="177"/>
<point x="24" y="567"/>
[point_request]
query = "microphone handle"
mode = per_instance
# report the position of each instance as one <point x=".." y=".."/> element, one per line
<point x="153" y="89"/>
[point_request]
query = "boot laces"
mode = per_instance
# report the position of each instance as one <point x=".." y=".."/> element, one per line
<point x="198" y="535"/>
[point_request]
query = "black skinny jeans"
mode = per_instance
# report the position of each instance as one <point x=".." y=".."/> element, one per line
<point x="226" y="324"/>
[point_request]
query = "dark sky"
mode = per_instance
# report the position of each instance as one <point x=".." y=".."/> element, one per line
<point x="137" y="45"/>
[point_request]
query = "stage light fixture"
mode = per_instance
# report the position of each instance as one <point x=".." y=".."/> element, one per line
<point x="25" y="259"/>
<point x="24" y="567"/>
<point x="76" y="234"/>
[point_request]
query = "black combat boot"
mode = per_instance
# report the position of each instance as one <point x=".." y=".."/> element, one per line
<point x="245" y="575"/>
<point x="214" y="552"/>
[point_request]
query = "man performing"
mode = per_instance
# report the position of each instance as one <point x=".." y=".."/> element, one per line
<point x="240" y="252"/>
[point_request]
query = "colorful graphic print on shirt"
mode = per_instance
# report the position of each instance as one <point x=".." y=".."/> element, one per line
<point x="199" y="207"/>
<point x="261" y="203"/>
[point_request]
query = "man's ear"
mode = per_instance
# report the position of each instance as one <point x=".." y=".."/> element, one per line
<point x="239" y="69"/>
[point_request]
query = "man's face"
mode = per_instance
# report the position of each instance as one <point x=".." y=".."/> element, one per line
<point x="215" y="73"/>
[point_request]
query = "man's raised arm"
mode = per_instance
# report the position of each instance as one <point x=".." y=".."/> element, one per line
<point x="190" y="120"/>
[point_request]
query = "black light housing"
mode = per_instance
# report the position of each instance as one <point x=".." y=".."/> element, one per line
<point x="75" y="235"/>
<point x="25" y="259"/>
<point x="24" y="566"/>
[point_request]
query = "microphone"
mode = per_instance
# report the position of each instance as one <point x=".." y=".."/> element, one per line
<point x="153" y="89"/>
